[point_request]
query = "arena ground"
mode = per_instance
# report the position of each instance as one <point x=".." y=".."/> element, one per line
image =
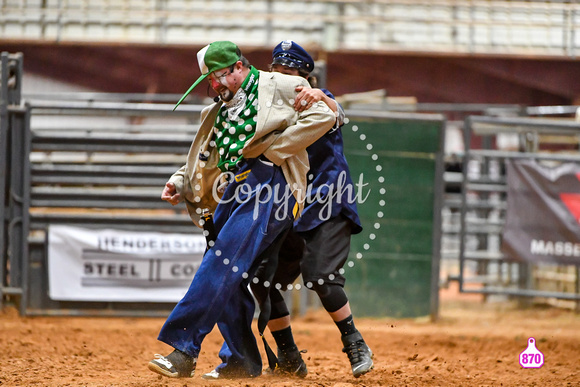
<point x="473" y="344"/>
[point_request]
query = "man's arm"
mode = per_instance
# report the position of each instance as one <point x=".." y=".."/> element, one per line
<point x="172" y="190"/>
<point x="312" y="124"/>
<point x="310" y="96"/>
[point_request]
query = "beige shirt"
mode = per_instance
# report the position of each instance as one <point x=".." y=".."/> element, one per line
<point x="282" y="135"/>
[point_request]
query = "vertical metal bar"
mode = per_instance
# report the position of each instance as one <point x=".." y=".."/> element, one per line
<point x="10" y="93"/>
<point x="16" y="124"/>
<point x="14" y="86"/>
<point x="26" y="189"/>
<point x="485" y="268"/>
<point x="4" y="152"/>
<point x="577" y="272"/>
<point x="16" y="233"/>
<point x="438" y="189"/>
<point x="531" y="145"/>
<point x="467" y="127"/>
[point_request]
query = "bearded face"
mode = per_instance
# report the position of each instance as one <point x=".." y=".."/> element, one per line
<point x="226" y="82"/>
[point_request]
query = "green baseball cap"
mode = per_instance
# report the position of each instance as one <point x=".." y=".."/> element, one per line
<point x="214" y="56"/>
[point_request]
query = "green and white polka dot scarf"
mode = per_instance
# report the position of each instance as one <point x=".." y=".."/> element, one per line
<point x="236" y="123"/>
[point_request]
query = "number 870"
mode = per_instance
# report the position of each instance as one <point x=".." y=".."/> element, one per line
<point x="530" y="359"/>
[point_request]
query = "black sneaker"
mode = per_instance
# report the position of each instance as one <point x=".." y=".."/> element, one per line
<point x="290" y="362"/>
<point x="176" y="365"/>
<point x="359" y="354"/>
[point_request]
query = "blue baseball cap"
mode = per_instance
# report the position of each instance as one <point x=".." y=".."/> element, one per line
<point x="291" y="54"/>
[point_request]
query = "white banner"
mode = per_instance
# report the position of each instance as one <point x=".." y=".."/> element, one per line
<point x="114" y="265"/>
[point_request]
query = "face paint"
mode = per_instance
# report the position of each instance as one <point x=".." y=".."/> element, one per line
<point x="224" y="82"/>
<point x="221" y="85"/>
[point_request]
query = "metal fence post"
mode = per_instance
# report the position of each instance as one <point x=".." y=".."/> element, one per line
<point x="439" y="189"/>
<point x="18" y="205"/>
<point x="4" y="151"/>
<point x="10" y="94"/>
<point x="463" y="206"/>
<point x="528" y="144"/>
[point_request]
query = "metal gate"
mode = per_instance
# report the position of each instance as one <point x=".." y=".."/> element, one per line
<point x="91" y="164"/>
<point x="489" y="143"/>
<point x="13" y="119"/>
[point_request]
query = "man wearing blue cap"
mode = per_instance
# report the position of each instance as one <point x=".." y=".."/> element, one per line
<point x="247" y="165"/>
<point x="319" y="243"/>
<point x="288" y="57"/>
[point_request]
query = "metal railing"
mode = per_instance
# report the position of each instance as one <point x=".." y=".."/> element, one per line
<point x="450" y="26"/>
<point x="12" y="221"/>
<point x="484" y="268"/>
<point x="84" y="177"/>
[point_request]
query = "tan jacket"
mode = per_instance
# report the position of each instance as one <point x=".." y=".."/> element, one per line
<point x="282" y="135"/>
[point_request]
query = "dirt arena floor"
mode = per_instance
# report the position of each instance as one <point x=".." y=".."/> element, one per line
<point x="473" y="344"/>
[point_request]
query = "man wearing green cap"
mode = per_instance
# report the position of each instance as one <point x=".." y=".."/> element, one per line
<point x="247" y="165"/>
<point x="318" y="246"/>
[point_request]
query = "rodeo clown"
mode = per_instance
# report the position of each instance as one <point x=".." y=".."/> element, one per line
<point x="253" y="140"/>
<point x="319" y="243"/>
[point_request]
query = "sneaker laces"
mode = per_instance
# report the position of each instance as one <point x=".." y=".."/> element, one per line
<point x="163" y="360"/>
<point x="355" y="351"/>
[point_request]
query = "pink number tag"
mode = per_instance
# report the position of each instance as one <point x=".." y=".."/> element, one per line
<point x="531" y="357"/>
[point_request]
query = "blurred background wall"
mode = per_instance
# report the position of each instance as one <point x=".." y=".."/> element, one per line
<point x="437" y="51"/>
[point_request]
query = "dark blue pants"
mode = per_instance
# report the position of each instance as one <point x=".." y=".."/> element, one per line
<point x="248" y="219"/>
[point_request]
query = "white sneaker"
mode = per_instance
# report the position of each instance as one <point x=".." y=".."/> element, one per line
<point x="213" y="375"/>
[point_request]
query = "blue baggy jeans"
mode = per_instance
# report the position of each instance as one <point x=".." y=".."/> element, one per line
<point x="248" y="219"/>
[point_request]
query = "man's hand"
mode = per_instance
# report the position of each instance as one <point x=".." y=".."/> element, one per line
<point x="170" y="194"/>
<point x="306" y="97"/>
